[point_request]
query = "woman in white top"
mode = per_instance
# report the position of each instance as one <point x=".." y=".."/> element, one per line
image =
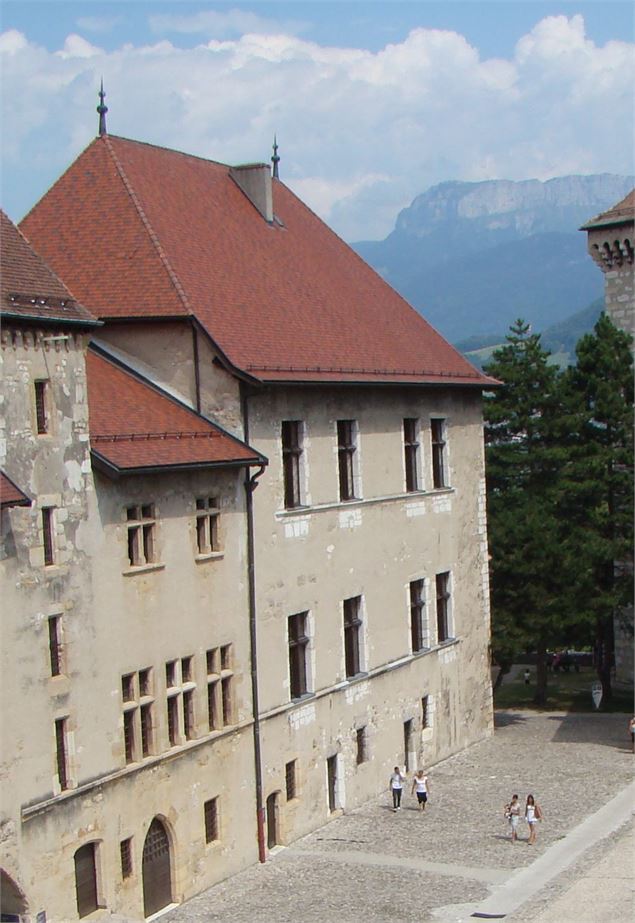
<point x="533" y="814"/>
<point x="420" y="786"/>
<point x="512" y="813"/>
<point x="396" y="786"/>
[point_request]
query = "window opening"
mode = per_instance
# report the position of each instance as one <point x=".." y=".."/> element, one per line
<point x="291" y="462"/>
<point x="207" y="519"/>
<point x="141" y="535"/>
<point x="290" y="776"/>
<point x="210" y="809"/>
<point x="48" y="535"/>
<point x="56" y="647"/>
<point x="417" y="612"/>
<point x="41" y="416"/>
<point x="298" y="646"/>
<point x="125" y="851"/>
<point x="362" y="745"/>
<point x="61" y="752"/>
<point x="352" y="630"/>
<point x="443" y="607"/>
<point x="439" y="474"/>
<point x="411" y="453"/>
<point x="346" y="448"/>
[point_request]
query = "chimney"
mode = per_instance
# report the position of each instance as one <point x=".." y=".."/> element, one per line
<point x="255" y="181"/>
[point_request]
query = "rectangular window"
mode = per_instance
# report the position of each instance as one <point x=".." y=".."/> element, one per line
<point x="61" y="752"/>
<point x="443" y="607"/>
<point x="211" y="659"/>
<point x="170" y="673"/>
<point x="425" y="713"/>
<point x="210" y="809"/>
<point x="145" y="682"/>
<point x="48" y="535"/>
<point x="41" y="415"/>
<point x="146" y="729"/>
<point x="56" y="647"/>
<point x="207" y="517"/>
<point x="291" y="462"/>
<point x="439" y="462"/>
<point x="186" y="669"/>
<point x="213" y="705"/>
<point x="346" y="457"/>
<point x="125" y="851"/>
<point x="417" y="615"/>
<point x="362" y="745"/>
<point x="189" y="725"/>
<point x="291" y="782"/>
<point x="173" y="720"/>
<point x="352" y="632"/>
<point x="127" y="687"/>
<point x="407" y="744"/>
<point x="141" y="535"/>
<point x="228" y="703"/>
<point x="411" y="453"/>
<point x="298" y="649"/>
<point x="129" y="735"/>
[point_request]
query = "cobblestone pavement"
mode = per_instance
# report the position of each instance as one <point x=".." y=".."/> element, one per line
<point x="374" y="866"/>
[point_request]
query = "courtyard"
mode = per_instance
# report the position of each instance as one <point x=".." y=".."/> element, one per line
<point x="376" y="866"/>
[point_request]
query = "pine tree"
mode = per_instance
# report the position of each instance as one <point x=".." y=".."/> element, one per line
<point x="530" y="558"/>
<point x="599" y="498"/>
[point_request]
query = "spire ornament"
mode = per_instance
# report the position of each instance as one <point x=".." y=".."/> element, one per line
<point x="275" y="160"/>
<point x="102" y="109"/>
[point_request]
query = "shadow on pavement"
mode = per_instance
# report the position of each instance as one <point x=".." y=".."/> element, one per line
<point x="607" y="730"/>
<point x="503" y="719"/>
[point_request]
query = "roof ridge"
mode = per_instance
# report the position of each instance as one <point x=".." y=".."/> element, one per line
<point x="174" y="279"/>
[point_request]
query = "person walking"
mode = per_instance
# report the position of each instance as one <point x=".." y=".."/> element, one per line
<point x="512" y="813"/>
<point x="631" y="730"/>
<point x="396" y="786"/>
<point x="421" y="787"/>
<point x="533" y="813"/>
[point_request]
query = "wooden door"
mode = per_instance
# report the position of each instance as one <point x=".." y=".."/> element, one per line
<point x="273" y="833"/>
<point x="331" y="773"/>
<point x="157" y="879"/>
<point x="86" y="879"/>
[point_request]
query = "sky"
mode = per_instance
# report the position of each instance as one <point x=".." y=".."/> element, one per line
<point x="372" y="102"/>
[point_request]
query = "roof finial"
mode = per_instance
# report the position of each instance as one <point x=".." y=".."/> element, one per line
<point x="102" y="110"/>
<point x="275" y="160"/>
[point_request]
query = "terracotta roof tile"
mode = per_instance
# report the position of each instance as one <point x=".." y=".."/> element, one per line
<point x="10" y="493"/>
<point x="622" y="213"/>
<point x="133" y="425"/>
<point x="173" y="234"/>
<point x="28" y="287"/>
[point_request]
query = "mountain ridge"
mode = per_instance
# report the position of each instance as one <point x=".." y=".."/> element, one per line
<point x="472" y="257"/>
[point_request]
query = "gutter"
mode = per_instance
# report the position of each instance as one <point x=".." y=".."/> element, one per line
<point x="251" y="482"/>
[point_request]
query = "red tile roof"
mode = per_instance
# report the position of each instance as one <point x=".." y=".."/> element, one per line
<point x="173" y="235"/>
<point x="622" y="213"/>
<point x="10" y="494"/>
<point x="135" y="427"/>
<point x="28" y="287"/>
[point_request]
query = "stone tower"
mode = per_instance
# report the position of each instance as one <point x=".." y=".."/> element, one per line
<point x="611" y="239"/>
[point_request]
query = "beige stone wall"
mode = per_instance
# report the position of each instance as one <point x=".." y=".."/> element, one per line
<point x="313" y="558"/>
<point x="116" y="620"/>
<point x="612" y="250"/>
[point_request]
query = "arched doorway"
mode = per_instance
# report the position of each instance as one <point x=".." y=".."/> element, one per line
<point x="12" y="901"/>
<point x="157" y="877"/>
<point x="273" y="820"/>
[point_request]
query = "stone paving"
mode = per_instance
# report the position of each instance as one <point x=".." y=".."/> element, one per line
<point x="374" y="866"/>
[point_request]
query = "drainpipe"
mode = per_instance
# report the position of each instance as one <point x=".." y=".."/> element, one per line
<point x="251" y="482"/>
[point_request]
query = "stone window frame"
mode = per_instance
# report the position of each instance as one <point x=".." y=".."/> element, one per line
<point x="292" y="439"/>
<point x="412" y="454"/>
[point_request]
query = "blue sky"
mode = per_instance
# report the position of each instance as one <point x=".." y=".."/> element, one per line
<point x="372" y="102"/>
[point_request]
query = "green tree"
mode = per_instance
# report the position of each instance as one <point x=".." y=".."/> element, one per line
<point x="599" y="496"/>
<point x="530" y="556"/>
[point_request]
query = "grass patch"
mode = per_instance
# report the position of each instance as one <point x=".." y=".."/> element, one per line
<point x="565" y="692"/>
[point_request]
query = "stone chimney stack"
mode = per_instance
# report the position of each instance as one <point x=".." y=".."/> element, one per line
<point x="254" y="179"/>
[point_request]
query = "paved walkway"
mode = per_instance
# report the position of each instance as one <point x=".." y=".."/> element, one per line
<point x="374" y="866"/>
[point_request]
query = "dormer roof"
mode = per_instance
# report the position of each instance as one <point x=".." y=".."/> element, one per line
<point x="136" y="428"/>
<point x="284" y="300"/>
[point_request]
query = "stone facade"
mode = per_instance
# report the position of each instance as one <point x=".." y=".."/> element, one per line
<point x="178" y="712"/>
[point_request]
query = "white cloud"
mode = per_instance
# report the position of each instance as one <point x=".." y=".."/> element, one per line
<point x="360" y="133"/>
<point x="217" y="23"/>
<point x="98" y="23"/>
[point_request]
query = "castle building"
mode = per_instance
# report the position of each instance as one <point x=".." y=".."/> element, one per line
<point x="246" y="561"/>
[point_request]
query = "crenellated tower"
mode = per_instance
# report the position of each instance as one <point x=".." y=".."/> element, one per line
<point x="611" y="239"/>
